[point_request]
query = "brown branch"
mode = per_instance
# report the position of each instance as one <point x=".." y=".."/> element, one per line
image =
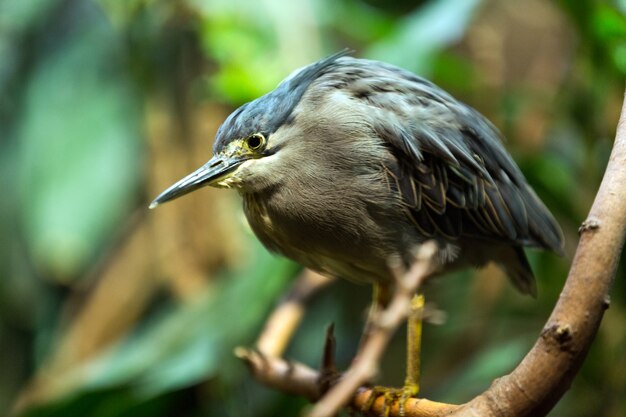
<point x="289" y="377"/>
<point x="547" y="371"/>
<point x="298" y="379"/>
<point x="284" y="320"/>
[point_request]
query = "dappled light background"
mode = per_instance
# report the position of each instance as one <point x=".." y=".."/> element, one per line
<point x="108" y="309"/>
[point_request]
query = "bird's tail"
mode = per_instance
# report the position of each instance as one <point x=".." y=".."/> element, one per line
<point x="544" y="229"/>
<point x="512" y="260"/>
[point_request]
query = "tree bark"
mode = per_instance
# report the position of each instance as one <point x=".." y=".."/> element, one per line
<point x="547" y="371"/>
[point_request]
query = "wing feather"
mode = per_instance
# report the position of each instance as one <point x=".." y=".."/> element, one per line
<point x="449" y="165"/>
<point x="456" y="180"/>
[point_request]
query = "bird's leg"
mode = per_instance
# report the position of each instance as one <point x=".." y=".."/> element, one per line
<point x="381" y="295"/>
<point x="413" y="351"/>
<point x="412" y="380"/>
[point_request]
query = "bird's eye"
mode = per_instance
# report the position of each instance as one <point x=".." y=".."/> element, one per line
<point x="255" y="141"/>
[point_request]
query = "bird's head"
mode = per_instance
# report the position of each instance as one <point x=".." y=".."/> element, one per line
<point x="253" y="138"/>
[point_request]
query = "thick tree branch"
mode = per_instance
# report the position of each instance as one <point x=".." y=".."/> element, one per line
<point x="547" y="371"/>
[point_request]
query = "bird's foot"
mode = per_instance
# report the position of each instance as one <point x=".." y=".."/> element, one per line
<point x="391" y="396"/>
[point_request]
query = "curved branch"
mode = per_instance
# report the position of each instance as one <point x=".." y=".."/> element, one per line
<point x="296" y="378"/>
<point x="285" y="319"/>
<point x="547" y="371"/>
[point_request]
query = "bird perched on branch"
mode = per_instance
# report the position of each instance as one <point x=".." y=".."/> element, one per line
<point x="350" y="162"/>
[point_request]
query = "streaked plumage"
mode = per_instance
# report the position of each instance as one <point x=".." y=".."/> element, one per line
<point x="362" y="161"/>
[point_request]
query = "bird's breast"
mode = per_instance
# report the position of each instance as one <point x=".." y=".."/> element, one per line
<point x="331" y="234"/>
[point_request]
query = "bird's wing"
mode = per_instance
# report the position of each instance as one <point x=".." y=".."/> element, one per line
<point x="455" y="177"/>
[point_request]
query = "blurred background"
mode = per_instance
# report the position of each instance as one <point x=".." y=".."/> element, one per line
<point x="108" y="309"/>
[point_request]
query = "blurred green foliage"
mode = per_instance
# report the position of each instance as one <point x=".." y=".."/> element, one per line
<point x="96" y="150"/>
<point x="102" y="103"/>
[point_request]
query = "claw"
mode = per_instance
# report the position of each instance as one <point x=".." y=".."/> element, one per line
<point x="411" y="384"/>
<point x="408" y="391"/>
<point x="391" y="396"/>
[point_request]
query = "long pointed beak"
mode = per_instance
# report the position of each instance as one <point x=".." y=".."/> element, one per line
<point x="216" y="169"/>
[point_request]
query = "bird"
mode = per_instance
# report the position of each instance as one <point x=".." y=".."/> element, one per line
<point x="351" y="162"/>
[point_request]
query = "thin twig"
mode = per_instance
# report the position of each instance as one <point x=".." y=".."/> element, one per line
<point x="328" y="367"/>
<point x="289" y="377"/>
<point x="284" y="320"/>
<point x="386" y="322"/>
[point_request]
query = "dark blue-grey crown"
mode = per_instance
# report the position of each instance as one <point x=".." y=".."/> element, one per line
<point x="267" y="113"/>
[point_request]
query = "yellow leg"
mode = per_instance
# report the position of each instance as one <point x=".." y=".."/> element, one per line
<point x="412" y="380"/>
<point x="380" y="299"/>
<point x="413" y="351"/>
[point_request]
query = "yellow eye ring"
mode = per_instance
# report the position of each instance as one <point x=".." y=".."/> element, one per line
<point x="256" y="141"/>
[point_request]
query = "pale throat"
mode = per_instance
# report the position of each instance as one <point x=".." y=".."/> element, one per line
<point x="237" y="177"/>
